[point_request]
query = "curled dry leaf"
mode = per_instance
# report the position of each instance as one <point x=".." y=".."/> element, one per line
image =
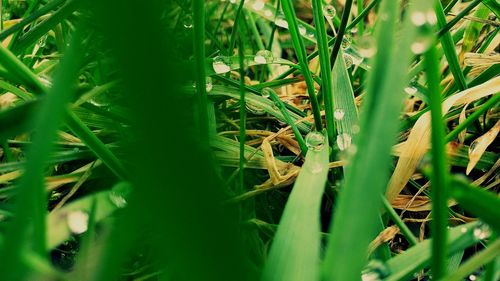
<point x="418" y="141"/>
<point x="479" y="146"/>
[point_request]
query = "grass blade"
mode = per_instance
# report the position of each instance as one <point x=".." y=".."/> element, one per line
<point x="439" y="175"/>
<point x="294" y="254"/>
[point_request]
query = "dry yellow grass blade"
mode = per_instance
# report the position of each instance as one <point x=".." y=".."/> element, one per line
<point x="418" y="141"/>
<point x="479" y="146"/>
<point x="461" y="119"/>
<point x="385" y="236"/>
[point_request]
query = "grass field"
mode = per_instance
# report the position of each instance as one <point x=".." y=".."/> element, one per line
<point x="273" y="140"/>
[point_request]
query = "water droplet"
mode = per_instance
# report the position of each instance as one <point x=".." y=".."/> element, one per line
<point x="431" y="17"/>
<point x="187" y="21"/>
<point x="348" y="60"/>
<point x="232" y="1"/>
<point x="329" y="11"/>
<point x="472" y="277"/>
<point x="268" y="13"/>
<point x="367" y="46"/>
<point x="418" y="18"/>
<point x="264" y="56"/>
<point x="481" y="232"/>
<point x="316" y="168"/>
<point x="355" y="129"/>
<point x="258" y="5"/>
<point x="339" y="114"/>
<point x="118" y="194"/>
<point x="374" y="271"/>
<point x="411" y="90"/>
<point x="281" y="22"/>
<point x="352" y="150"/>
<point x="421" y="44"/>
<point x="77" y="221"/>
<point x="346" y="42"/>
<point x="221" y="64"/>
<point x="463" y="229"/>
<point x="315" y="141"/>
<point x="302" y="30"/>
<point x="117" y="199"/>
<point x="266" y="92"/>
<point x="209" y="85"/>
<point x="344" y="141"/>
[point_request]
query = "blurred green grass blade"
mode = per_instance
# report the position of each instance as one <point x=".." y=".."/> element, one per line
<point x="404" y="265"/>
<point x="352" y="231"/>
<point x="295" y="250"/>
<point x="30" y="18"/>
<point x="39" y="30"/>
<point x="449" y="49"/>
<point x="199" y="49"/>
<point x="475" y="262"/>
<point x="481" y="203"/>
<point x="28" y="224"/>
<point x="494" y="6"/>
<point x="473" y="29"/>
<point x="345" y="109"/>
<point x="16" y="91"/>
<point x="20" y="71"/>
<point x="17" y="120"/>
<point x="301" y="53"/>
<point x="96" y="145"/>
<point x="439" y="177"/>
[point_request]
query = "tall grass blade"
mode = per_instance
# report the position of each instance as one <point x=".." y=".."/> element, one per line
<point x="31" y="204"/>
<point x="295" y="251"/>
<point x="351" y="232"/>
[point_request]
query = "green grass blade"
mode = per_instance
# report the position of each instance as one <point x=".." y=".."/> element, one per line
<point x="478" y="260"/>
<point x="353" y="231"/>
<point x="346" y="112"/>
<point x="481" y="203"/>
<point x="326" y="72"/>
<point x="96" y="145"/>
<point x="494" y="6"/>
<point x="449" y="49"/>
<point x="340" y="32"/>
<point x="439" y="175"/>
<point x="199" y="47"/>
<point x="17" y="120"/>
<point x="300" y="50"/>
<point x="20" y="71"/>
<point x="295" y="251"/>
<point x="31" y="204"/>
<point x="404" y="265"/>
<point x="35" y="33"/>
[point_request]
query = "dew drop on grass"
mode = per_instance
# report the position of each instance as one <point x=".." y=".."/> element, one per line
<point x="258" y="5"/>
<point x="329" y="11"/>
<point x="266" y="92"/>
<point x="367" y="46"/>
<point x="355" y="129"/>
<point x="119" y="193"/>
<point x="346" y="42"/>
<point x="418" y="18"/>
<point x="348" y="61"/>
<point x="221" y="64"/>
<point x="344" y="140"/>
<point x="315" y="141"/>
<point x="481" y="232"/>
<point x="77" y="221"/>
<point x="209" y="84"/>
<point x="264" y="56"/>
<point x="421" y="43"/>
<point x="187" y="21"/>
<point x="302" y="30"/>
<point x="411" y="90"/>
<point x="472" y="277"/>
<point x="281" y="22"/>
<point x="339" y="114"/>
<point x="268" y="13"/>
<point x="374" y="271"/>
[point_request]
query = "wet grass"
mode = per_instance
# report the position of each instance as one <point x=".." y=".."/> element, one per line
<point x="249" y="140"/>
